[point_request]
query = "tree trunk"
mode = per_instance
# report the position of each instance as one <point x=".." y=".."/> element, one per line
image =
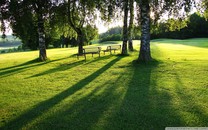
<point x="80" y="40"/>
<point x="41" y="40"/>
<point x="125" y="29"/>
<point x="145" y="54"/>
<point x="131" y="9"/>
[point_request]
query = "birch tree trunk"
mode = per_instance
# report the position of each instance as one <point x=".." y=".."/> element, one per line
<point x="131" y="22"/>
<point x="125" y="28"/>
<point x="41" y="38"/>
<point x="145" y="54"/>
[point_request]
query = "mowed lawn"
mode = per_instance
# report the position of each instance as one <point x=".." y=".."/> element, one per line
<point x="111" y="92"/>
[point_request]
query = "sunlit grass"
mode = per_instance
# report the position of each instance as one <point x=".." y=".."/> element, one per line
<point x="110" y="92"/>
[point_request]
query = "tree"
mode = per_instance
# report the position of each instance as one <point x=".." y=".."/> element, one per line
<point x="125" y="28"/>
<point x="145" y="54"/>
<point x="27" y="19"/>
<point x="90" y="33"/>
<point x="80" y="13"/>
<point x="157" y="8"/>
<point x="131" y="25"/>
<point x="39" y="9"/>
<point x="59" y="27"/>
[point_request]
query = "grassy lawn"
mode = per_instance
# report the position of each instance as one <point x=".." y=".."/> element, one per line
<point x="110" y="92"/>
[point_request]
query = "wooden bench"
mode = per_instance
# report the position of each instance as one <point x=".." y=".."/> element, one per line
<point x="112" y="48"/>
<point x="90" y="50"/>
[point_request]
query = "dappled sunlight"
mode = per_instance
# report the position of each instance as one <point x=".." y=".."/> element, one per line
<point x="180" y="52"/>
<point x="195" y="42"/>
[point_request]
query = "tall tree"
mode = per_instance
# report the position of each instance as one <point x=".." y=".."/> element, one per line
<point x="157" y="8"/>
<point x="80" y="13"/>
<point x="39" y="8"/>
<point x="125" y="28"/>
<point x="145" y="54"/>
<point x="131" y="25"/>
<point x="27" y="19"/>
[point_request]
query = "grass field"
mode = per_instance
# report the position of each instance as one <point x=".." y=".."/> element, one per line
<point x="110" y="92"/>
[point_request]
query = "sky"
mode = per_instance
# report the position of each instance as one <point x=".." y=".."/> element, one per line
<point x="102" y="27"/>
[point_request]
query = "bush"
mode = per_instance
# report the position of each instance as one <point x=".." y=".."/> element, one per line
<point x="114" y="37"/>
<point x="3" y="51"/>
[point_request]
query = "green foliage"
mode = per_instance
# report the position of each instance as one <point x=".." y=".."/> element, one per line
<point x="195" y="26"/>
<point x="91" y="33"/>
<point x="113" y="37"/>
<point x="23" y="20"/>
<point x="113" y="34"/>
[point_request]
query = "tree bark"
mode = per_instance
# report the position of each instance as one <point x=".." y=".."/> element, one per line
<point x="131" y="22"/>
<point x="125" y="29"/>
<point x="77" y="28"/>
<point x="145" y="54"/>
<point x="41" y="38"/>
<point x="80" y="41"/>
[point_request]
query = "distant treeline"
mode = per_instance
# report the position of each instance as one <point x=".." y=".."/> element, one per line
<point x="115" y="34"/>
<point x="195" y="26"/>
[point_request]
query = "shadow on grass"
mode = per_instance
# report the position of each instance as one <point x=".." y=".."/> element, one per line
<point x="68" y="66"/>
<point x="144" y="106"/>
<point x="18" y="68"/>
<point x="116" y="104"/>
<point x="147" y="105"/>
<point x="44" y="106"/>
<point x="141" y="107"/>
<point x="132" y="100"/>
<point x="189" y="104"/>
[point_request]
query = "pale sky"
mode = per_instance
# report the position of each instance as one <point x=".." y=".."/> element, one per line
<point x="105" y="27"/>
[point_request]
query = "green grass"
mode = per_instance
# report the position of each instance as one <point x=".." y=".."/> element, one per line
<point x="110" y="92"/>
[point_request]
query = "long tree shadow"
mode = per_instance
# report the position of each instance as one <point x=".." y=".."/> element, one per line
<point x="188" y="99"/>
<point x="68" y="66"/>
<point x="114" y="107"/>
<point x="85" y="112"/>
<point x="144" y="106"/>
<point x="18" y="68"/>
<point x="44" y="106"/>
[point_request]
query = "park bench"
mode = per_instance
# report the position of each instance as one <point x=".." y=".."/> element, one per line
<point x="90" y="50"/>
<point x="112" y="48"/>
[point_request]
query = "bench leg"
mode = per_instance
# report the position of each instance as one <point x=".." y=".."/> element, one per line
<point x="78" y="56"/>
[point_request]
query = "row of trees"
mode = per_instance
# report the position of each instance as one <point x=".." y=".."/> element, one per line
<point x="193" y="26"/>
<point x="47" y="16"/>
